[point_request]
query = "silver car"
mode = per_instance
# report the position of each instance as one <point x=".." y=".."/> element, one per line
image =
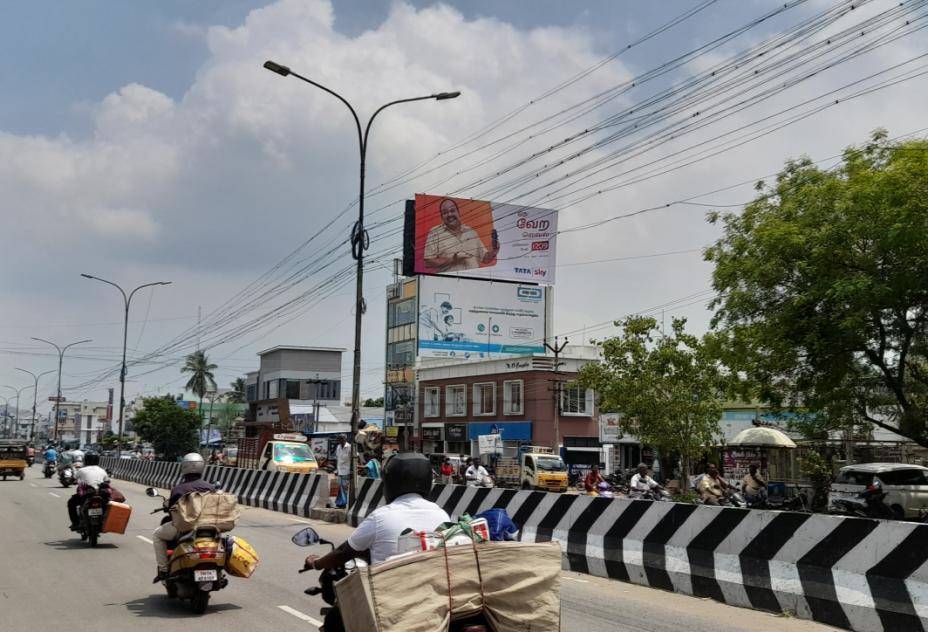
<point x="906" y="486"/>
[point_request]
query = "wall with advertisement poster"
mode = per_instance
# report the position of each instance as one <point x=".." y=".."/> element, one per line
<point x="464" y="318"/>
<point x="479" y="239"/>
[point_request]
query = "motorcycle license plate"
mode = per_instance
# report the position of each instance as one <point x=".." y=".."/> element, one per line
<point x="205" y="576"/>
<point x="95" y="511"/>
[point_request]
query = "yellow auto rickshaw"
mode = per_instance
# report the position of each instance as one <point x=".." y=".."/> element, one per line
<point x="13" y="458"/>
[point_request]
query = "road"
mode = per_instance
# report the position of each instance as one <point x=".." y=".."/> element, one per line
<point x="51" y="578"/>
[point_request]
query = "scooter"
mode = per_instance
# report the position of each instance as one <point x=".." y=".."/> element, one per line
<point x="196" y="562"/>
<point x="49" y="469"/>
<point x="656" y="494"/>
<point x="66" y="475"/>
<point x="603" y="490"/>
<point x="332" y="618"/>
<point x="867" y="504"/>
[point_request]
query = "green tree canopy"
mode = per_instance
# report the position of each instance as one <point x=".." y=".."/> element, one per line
<point x="823" y="288"/>
<point x="171" y="429"/>
<point x="668" y="388"/>
<point x="373" y="403"/>
<point x="237" y="394"/>
<point x="201" y="379"/>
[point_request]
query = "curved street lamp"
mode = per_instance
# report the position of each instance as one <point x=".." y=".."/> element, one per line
<point x="61" y="351"/>
<point x="35" y="394"/>
<point x="359" y="237"/>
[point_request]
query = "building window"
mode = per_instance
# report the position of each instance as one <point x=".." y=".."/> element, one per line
<point x="251" y="392"/>
<point x="485" y="399"/>
<point x="293" y="389"/>
<point x="401" y="354"/>
<point x="513" y="400"/>
<point x="456" y="401"/>
<point x="432" y="403"/>
<point x="577" y="401"/>
<point x="401" y="313"/>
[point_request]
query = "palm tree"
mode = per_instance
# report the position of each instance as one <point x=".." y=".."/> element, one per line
<point x="237" y="394"/>
<point x="201" y="379"/>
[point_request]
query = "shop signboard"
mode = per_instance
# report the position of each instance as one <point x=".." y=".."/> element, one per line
<point x="456" y="432"/>
<point x="464" y="319"/>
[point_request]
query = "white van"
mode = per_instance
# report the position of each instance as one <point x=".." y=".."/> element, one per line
<point x="906" y="486"/>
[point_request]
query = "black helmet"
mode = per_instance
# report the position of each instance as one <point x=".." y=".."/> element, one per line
<point x="406" y="473"/>
<point x="91" y="458"/>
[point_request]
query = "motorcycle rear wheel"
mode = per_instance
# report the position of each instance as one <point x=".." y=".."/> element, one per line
<point x="200" y="601"/>
<point x="92" y="536"/>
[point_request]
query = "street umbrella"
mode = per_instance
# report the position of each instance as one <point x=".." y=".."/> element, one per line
<point x="762" y="437"/>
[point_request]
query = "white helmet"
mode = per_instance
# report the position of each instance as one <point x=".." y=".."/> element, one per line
<point x="192" y="463"/>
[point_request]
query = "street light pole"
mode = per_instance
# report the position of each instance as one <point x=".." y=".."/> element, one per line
<point x="6" y="413"/>
<point x="61" y="351"/>
<point x="35" y="394"/>
<point x="359" y="242"/>
<point x="127" y="300"/>
<point x="15" y="428"/>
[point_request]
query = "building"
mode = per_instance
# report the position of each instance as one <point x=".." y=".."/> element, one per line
<point x="291" y="386"/>
<point x="85" y="421"/>
<point x="512" y="397"/>
<point x="399" y="396"/>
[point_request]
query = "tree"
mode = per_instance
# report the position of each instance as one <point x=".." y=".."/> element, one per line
<point x="171" y="429"/>
<point x="823" y="288"/>
<point x="373" y="403"/>
<point x="201" y="379"/>
<point x="667" y="388"/>
<point x="237" y="394"/>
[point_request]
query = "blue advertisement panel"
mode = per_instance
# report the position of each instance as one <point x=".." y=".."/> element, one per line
<point x="463" y="318"/>
<point x="510" y="430"/>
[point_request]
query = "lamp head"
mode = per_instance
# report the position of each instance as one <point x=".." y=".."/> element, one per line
<point x="442" y="96"/>
<point x="273" y="66"/>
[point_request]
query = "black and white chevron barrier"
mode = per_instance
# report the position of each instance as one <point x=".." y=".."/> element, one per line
<point x="287" y="492"/>
<point x="853" y="573"/>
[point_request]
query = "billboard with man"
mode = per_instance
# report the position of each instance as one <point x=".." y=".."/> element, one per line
<point x="479" y="239"/>
<point x="465" y="318"/>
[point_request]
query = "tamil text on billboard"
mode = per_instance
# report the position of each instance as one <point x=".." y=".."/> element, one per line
<point x="479" y="239"/>
<point x="465" y="318"/>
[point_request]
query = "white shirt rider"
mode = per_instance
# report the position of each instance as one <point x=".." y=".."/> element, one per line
<point x="476" y="473"/>
<point x="380" y="531"/>
<point x="642" y="483"/>
<point x="91" y="476"/>
<point x="343" y="459"/>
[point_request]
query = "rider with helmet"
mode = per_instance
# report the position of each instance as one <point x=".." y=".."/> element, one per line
<point x="407" y="481"/>
<point x="192" y="467"/>
<point x="91" y="476"/>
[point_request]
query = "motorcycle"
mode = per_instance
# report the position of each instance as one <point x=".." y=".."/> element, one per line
<point x="66" y="475"/>
<point x="49" y="470"/>
<point x="651" y="494"/>
<point x="867" y="504"/>
<point x="603" y="490"/>
<point x="332" y="618"/>
<point x="196" y="562"/>
<point x="91" y="513"/>
<point x="482" y="481"/>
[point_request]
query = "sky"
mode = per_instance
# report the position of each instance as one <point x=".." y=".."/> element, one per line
<point x="144" y="142"/>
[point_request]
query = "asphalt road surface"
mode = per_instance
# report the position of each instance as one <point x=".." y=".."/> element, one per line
<point x="51" y="579"/>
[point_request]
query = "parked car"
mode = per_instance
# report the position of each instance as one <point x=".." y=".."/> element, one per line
<point x="906" y="486"/>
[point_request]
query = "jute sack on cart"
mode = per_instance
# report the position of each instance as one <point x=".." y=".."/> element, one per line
<point x="515" y="584"/>
<point x="205" y="509"/>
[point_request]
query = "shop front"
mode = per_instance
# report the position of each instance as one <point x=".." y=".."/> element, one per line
<point x="456" y="441"/>
<point x="433" y="438"/>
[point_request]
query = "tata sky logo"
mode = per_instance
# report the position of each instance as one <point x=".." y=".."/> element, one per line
<point x="530" y="293"/>
<point x="522" y="270"/>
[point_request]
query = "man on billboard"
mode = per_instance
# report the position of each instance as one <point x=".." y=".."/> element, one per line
<point x="453" y="246"/>
<point x="433" y="321"/>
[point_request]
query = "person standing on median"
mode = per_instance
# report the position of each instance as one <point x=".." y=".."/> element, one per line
<point x="343" y="470"/>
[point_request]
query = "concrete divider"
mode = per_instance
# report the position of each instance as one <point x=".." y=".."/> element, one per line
<point x="286" y="492"/>
<point x="852" y="573"/>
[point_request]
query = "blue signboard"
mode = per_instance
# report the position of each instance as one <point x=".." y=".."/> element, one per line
<point x="510" y="431"/>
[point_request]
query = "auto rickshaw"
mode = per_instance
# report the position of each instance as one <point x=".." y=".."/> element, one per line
<point x="13" y="458"/>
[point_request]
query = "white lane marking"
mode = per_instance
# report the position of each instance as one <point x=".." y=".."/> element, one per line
<point x="33" y="485"/>
<point x="582" y="581"/>
<point x="300" y="615"/>
<point x="54" y="494"/>
<point x="142" y="537"/>
<point x="300" y="521"/>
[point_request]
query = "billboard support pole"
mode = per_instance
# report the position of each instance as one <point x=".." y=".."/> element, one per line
<point x="359" y="243"/>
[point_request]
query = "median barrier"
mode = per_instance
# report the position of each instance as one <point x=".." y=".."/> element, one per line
<point x="852" y="573"/>
<point x="286" y="492"/>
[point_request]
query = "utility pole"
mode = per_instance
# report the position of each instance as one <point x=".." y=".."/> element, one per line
<point x="61" y="351"/>
<point x="35" y="394"/>
<point x="556" y="350"/>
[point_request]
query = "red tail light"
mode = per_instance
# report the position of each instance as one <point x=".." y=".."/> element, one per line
<point x="208" y="556"/>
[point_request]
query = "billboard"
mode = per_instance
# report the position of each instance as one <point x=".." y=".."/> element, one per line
<point x="464" y="318"/>
<point x="479" y="239"/>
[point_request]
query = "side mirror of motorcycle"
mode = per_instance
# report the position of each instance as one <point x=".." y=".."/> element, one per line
<point x="307" y="537"/>
<point x="150" y="491"/>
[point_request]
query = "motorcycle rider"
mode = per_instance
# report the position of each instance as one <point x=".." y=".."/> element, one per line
<point x="712" y="487"/>
<point x="752" y="485"/>
<point x="51" y="456"/>
<point x="89" y="477"/>
<point x="475" y="473"/>
<point x="192" y="467"/>
<point x="407" y="480"/>
<point x="641" y="482"/>
<point x="592" y="480"/>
